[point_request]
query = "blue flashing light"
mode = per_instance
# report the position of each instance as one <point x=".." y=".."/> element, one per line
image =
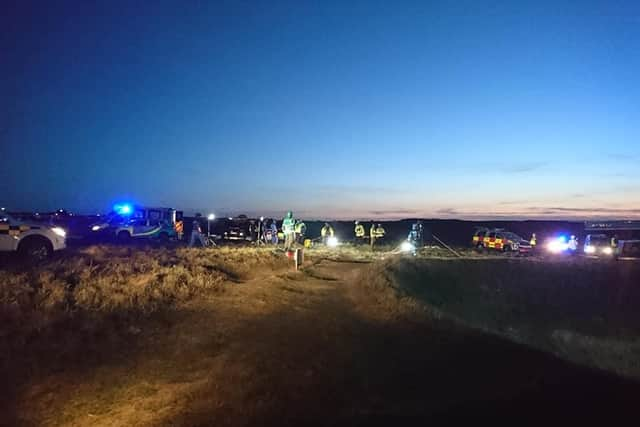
<point x="123" y="209"/>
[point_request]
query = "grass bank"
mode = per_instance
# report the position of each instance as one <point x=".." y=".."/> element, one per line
<point x="581" y="310"/>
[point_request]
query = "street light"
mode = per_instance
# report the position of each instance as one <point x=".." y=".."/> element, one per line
<point x="210" y="218"/>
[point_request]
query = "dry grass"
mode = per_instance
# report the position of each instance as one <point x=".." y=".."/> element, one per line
<point x="117" y="337"/>
<point x="97" y="290"/>
<point x="582" y="310"/>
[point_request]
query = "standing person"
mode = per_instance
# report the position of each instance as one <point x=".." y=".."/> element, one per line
<point x="420" y="231"/>
<point x="359" y="232"/>
<point x="301" y="230"/>
<point x="179" y="227"/>
<point x="533" y="241"/>
<point x="288" y="228"/>
<point x="274" y="232"/>
<point x="573" y="245"/>
<point x="196" y="232"/>
<point x="326" y="232"/>
<point x="372" y="235"/>
<point x="380" y="232"/>
<point x="413" y="235"/>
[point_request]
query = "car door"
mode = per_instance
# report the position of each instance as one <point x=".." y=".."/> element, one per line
<point x="139" y="227"/>
<point x="490" y="240"/>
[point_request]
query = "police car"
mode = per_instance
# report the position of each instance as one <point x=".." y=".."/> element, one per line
<point x="35" y="241"/>
<point x="127" y="222"/>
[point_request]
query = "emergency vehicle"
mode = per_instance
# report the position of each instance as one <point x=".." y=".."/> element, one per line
<point x="500" y="240"/>
<point x="617" y="238"/>
<point x="240" y="229"/>
<point x="36" y="241"/>
<point x="126" y="222"/>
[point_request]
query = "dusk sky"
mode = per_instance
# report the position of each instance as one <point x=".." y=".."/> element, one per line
<point x="365" y="109"/>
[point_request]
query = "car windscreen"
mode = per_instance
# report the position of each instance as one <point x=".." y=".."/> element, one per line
<point x="599" y="240"/>
<point x="513" y="236"/>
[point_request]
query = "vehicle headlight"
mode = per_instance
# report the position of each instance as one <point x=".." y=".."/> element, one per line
<point x="407" y="247"/>
<point x="95" y="228"/>
<point x="589" y="250"/>
<point x="332" y="242"/>
<point x="607" y="251"/>
<point x="59" y="231"/>
<point x="557" y="246"/>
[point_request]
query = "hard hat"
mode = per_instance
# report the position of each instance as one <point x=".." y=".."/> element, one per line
<point x="357" y="222"/>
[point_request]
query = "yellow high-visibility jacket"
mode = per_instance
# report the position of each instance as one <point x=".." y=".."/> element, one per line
<point x="359" y="230"/>
<point x="326" y="231"/>
<point x="379" y="232"/>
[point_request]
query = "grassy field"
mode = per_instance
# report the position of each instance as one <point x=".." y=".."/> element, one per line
<point x="580" y="309"/>
<point x="118" y="336"/>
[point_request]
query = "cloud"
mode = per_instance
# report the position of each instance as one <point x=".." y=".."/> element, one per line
<point x="513" y="202"/>
<point x="394" y="212"/>
<point x="536" y="212"/>
<point x="447" y="211"/>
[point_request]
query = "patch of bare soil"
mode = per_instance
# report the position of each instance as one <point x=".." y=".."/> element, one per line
<point x="331" y="345"/>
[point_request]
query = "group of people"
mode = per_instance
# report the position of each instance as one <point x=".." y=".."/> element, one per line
<point x="295" y="231"/>
<point x="376" y="233"/>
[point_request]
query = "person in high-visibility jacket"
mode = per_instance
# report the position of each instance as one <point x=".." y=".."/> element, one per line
<point x="534" y="241"/>
<point x="326" y="232"/>
<point x="359" y="232"/>
<point x="372" y="235"/>
<point x="179" y="227"/>
<point x="301" y="230"/>
<point x="380" y="232"/>
<point x="288" y="228"/>
<point x="614" y="242"/>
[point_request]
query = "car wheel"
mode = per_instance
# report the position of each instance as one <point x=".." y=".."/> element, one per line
<point x="124" y="236"/>
<point x="36" y="250"/>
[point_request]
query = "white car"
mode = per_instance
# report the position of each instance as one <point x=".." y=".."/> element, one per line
<point x="33" y="240"/>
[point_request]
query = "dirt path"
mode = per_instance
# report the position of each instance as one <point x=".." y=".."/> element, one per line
<point x="309" y="347"/>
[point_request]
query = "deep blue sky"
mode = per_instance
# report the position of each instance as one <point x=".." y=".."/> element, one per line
<point x="376" y="109"/>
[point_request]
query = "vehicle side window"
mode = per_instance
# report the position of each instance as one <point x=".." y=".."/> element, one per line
<point x="499" y="236"/>
<point x="491" y="235"/>
<point x="138" y="214"/>
<point x="154" y="215"/>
